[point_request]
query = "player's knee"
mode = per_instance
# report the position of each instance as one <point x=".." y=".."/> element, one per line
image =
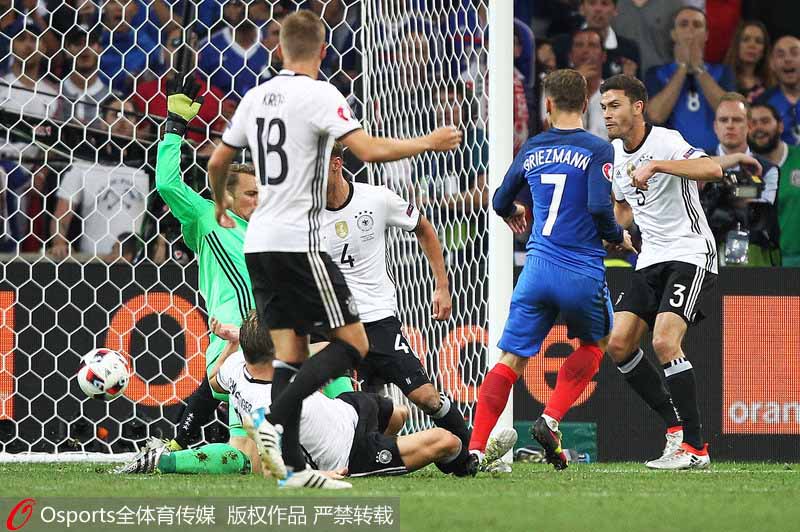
<point x="665" y="347"/>
<point x="618" y="348"/>
<point x="444" y="444"/>
<point x="401" y="413"/>
<point x="426" y="398"/>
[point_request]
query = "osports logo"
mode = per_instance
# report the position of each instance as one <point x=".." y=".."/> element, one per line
<point x="24" y="507"/>
<point x="607" y="169"/>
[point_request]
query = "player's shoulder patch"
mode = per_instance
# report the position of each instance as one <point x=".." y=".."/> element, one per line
<point x="692" y="151"/>
<point x="608" y="170"/>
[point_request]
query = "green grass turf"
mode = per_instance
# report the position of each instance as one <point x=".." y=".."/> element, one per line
<point x="593" y="498"/>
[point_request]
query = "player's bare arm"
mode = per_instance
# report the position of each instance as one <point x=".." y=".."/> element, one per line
<point x="231" y="334"/>
<point x="218" y="166"/>
<point x="702" y="169"/>
<point x="623" y="213"/>
<point x="377" y="149"/>
<point x="428" y="241"/>
<point x="730" y="160"/>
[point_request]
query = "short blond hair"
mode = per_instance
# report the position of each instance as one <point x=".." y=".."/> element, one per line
<point x="302" y="35"/>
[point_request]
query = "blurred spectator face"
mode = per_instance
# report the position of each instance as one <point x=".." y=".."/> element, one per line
<point x="517" y="46"/>
<point x="85" y="55"/>
<point x="587" y="49"/>
<point x="24" y="46"/>
<point x="327" y="9"/>
<point x="234" y="12"/>
<point x="414" y="57"/>
<point x="119" y="116"/>
<point x="730" y="125"/>
<point x="271" y="35"/>
<point x="245" y="197"/>
<point x="546" y="56"/>
<point x="786" y="61"/>
<point x="752" y="45"/>
<point x="765" y="130"/>
<point x="113" y="13"/>
<point x="689" y="25"/>
<point x="598" y="13"/>
<point x="450" y="108"/>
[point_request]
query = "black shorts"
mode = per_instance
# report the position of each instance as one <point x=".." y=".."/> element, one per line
<point x="373" y="452"/>
<point x="300" y="291"/>
<point x="676" y="287"/>
<point x="390" y="358"/>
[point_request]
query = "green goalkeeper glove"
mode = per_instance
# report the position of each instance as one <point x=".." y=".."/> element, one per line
<point x="183" y="103"/>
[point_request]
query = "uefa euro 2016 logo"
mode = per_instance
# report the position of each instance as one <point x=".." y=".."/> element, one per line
<point x="20" y="514"/>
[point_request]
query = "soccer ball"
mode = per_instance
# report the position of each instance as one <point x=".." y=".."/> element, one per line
<point x="103" y="374"/>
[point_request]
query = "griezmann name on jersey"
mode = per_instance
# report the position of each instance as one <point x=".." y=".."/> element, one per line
<point x="569" y="174"/>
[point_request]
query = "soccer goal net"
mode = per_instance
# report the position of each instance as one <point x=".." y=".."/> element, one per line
<point x="92" y="257"/>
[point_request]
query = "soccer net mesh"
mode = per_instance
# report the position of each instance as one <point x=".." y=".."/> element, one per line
<point x="92" y="257"/>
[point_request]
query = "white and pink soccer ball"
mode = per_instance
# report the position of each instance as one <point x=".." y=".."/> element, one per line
<point x="103" y="374"/>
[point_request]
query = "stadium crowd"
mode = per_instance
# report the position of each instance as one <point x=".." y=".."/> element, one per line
<point x="95" y="71"/>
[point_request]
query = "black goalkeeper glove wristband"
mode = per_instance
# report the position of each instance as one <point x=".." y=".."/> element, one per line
<point x="175" y="124"/>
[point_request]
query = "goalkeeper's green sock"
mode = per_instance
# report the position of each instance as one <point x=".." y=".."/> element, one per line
<point x="211" y="459"/>
<point x="338" y="386"/>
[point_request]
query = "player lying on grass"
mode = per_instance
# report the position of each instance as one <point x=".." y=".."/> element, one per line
<point x="357" y="217"/>
<point x="223" y="279"/>
<point x="340" y="436"/>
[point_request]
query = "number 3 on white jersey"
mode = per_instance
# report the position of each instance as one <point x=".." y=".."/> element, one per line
<point x="558" y="180"/>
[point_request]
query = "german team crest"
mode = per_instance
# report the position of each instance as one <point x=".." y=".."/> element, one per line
<point x="630" y="168"/>
<point x="341" y="229"/>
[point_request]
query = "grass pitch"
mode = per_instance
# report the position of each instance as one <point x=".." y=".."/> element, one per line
<point x="601" y="497"/>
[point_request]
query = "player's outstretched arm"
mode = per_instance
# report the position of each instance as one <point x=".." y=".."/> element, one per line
<point x="183" y="105"/>
<point x="380" y="150"/>
<point x="218" y="166"/>
<point x="730" y="160"/>
<point x="700" y="169"/>
<point x="429" y="242"/>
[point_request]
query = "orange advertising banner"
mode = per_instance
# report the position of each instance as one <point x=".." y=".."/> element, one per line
<point x="761" y="365"/>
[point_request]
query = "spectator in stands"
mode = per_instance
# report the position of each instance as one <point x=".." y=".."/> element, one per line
<point x="129" y="42"/>
<point x="587" y="57"/>
<point x="151" y="101"/>
<point x="723" y="17"/>
<point x="648" y="23"/>
<point x="766" y="128"/>
<point x="476" y="78"/>
<point x="725" y="209"/>
<point x="622" y="54"/>
<point x="25" y="93"/>
<point x="10" y="21"/>
<point x="459" y="182"/>
<point x="233" y="57"/>
<point x="785" y="97"/>
<point x="341" y="21"/>
<point x="748" y="58"/>
<point x="685" y="93"/>
<point x="270" y="41"/>
<point x="67" y="15"/>
<point x="85" y="86"/>
<point x="108" y="199"/>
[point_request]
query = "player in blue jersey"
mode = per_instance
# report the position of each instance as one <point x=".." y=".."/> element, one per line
<point x="569" y="173"/>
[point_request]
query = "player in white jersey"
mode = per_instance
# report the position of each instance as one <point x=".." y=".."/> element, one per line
<point x="354" y="434"/>
<point x="290" y="123"/>
<point x="654" y="183"/>
<point x="357" y="218"/>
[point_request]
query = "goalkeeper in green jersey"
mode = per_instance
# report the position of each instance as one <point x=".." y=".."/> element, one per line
<point x="223" y="279"/>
